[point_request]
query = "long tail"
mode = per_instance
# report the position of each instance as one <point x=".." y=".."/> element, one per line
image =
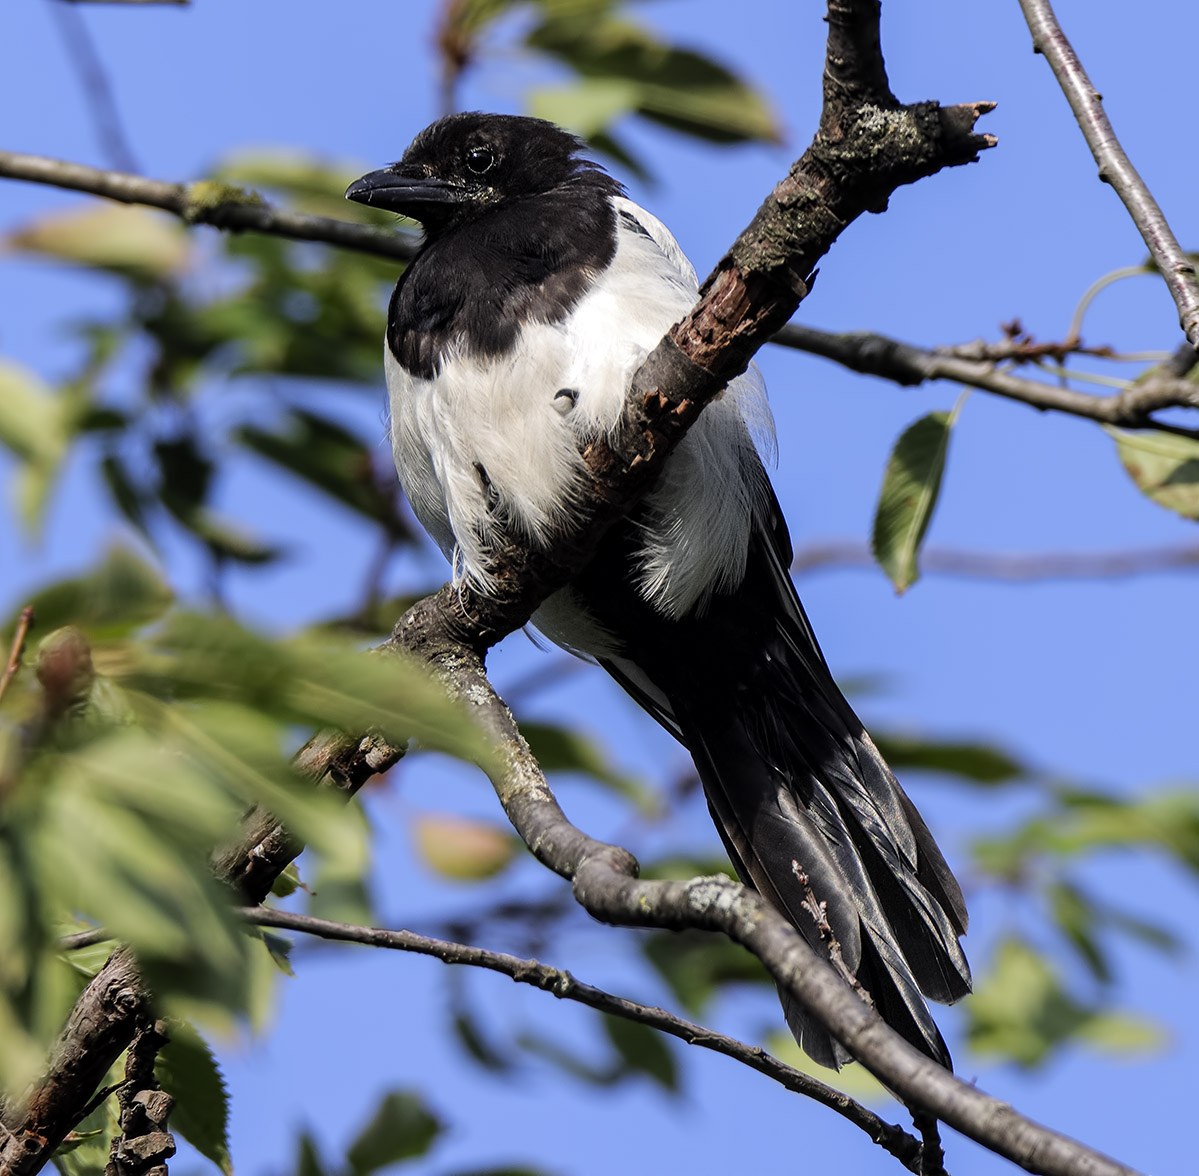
<point x="799" y="792"/>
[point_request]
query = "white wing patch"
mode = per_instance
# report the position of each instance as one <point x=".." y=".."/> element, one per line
<point x="484" y="443"/>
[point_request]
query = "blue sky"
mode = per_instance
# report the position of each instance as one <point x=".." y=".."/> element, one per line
<point x="1094" y="679"/>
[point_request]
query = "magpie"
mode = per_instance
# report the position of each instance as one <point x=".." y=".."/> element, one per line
<point x="511" y="341"/>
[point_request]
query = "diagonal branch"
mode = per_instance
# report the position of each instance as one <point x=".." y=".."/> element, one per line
<point x="1115" y="167"/>
<point x="605" y="883"/>
<point x="877" y="355"/>
<point x="563" y="985"/>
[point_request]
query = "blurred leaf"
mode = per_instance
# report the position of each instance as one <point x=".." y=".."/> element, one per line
<point x="679" y="88"/>
<point x="561" y="749"/>
<point x="32" y="423"/>
<point x="188" y="1071"/>
<point x="467" y="1030"/>
<point x="695" y="965"/>
<point x="1022" y="1012"/>
<point x="644" y="1051"/>
<point x="36" y="427"/>
<point x="908" y="498"/>
<point x="1078" y="921"/>
<point x="341" y="897"/>
<point x="308" y="1159"/>
<point x="1164" y="466"/>
<point x="853" y="1080"/>
<point x="310" y="680"/>
<point x="461" y="848"/>
<point x="568" y="1062"/>
<point x="401" y="1128"/>
<point x="122" y="593"/>
<point x="88" y="1150"/>
<point x="332" y="459"/>
<point x="976" y="762"/>
<point x="278" y="948"/>
<point x="119" y="237"/>
<point x="309" y="184"/>
<point x="585" y="107"/>
<point x="130" y="500"/>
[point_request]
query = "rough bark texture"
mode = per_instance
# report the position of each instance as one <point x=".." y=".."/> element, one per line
<point x="867" y="145"/>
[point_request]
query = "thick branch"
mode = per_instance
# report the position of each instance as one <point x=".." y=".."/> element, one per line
<point x="564" y="986"/>
<point x="902" y="363"/>
<point x="867" y="146"/>
<point x="1115" y="167"/>
<point x="606" y="885"/>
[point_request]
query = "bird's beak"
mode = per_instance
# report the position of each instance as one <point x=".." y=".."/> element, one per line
<point x="394" y="191"/>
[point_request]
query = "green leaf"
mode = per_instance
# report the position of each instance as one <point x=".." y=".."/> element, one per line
<point x="463" y="849"/>
<point x="308" y="1157"/>
<point x="561" y="749"/>
<point x="679" y="88"/>
<point x="1022" y="1012"/>
<point x="118" y="237"/>
<point x="32" y="423"/>
<point x="1164" y="466"/>
<point x="908" y="498"/>
<point x="587" y="106"/>
<point x="696" y="965"/>
<point x="401" y="1128"/>
<point x="188" y="1071"/>
<point x="341" y="898"/>
<point x="853" y="1080"/>
<point x="335" y="461"/>
<point x="976" y="762"/>
<point x="36" y="427"/>
<point x="288" y="882"/>
<point x="122" y="593"/>
<point x="643" y="1051"/>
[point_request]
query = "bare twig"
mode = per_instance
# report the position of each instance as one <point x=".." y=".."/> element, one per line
<point x="819" y="912"/>
<point x="902" y="363"/>
<point x="564" y="986"/>
<point x="1115" y="167"/>
<point x="97" y="91"/>
<point x="1019" y="567"/>
<point x="204" y="203"/>
<point x="17" y="650"/>
<point x="605" y="883"/>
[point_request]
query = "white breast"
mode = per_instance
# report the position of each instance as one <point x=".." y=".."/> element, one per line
<point x="485" y="441"/>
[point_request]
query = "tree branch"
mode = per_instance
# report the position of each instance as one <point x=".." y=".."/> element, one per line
<point x="207" y="203"/>
<point x="563" y="985"/>
<point x="902" y="363"/>
<point x="605" y="883"/>
<point x="1115" y="167"/>
<point x="1020" y="567"/>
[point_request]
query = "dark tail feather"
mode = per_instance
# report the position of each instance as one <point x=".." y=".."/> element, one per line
<point x="793" y="779"/>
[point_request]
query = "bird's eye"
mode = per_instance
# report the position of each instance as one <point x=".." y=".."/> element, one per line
<point x="479" y="160"/>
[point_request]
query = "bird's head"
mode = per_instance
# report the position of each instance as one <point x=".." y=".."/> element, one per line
<point x="462" y="166"/>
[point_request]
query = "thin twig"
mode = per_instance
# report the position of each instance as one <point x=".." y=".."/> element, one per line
<point x="862" y="351"/>
<point x="564" y="986"/>
<point x="932" y="1154"/>
<point x="902" y="363"/>
<point x="97" y="90"/>
<point x="1015" y="567"/>
<point x="218" y="205"/>
<point x="818" y="909"/>
<point x="1115" y="167"/>
<point x="17" y="651"/>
